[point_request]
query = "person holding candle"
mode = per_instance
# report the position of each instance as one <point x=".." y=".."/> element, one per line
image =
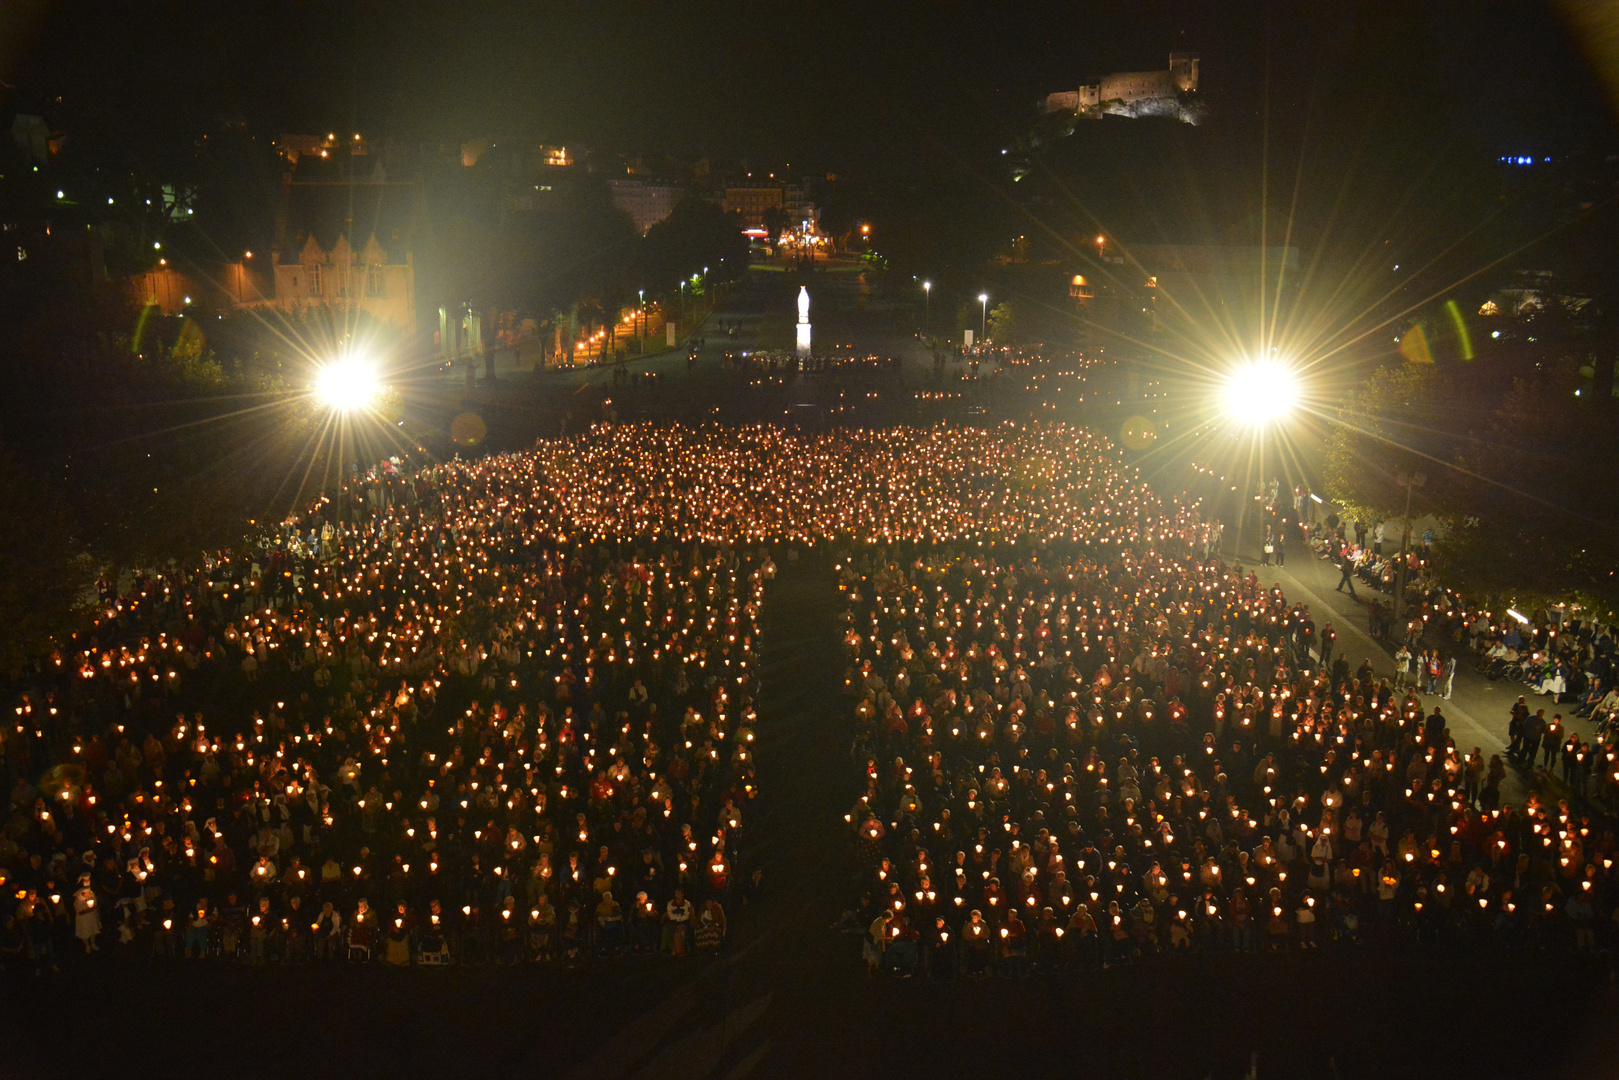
<point x="361" y="932"/>
<point x="87" y="915"/>
<point x="677" y="917"/>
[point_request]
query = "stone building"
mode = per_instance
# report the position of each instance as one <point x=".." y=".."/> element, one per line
<point x="345" y="241"/>
<point x="1133" y="93"/>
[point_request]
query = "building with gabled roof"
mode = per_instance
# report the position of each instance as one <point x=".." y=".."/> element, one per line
<point x="345" y="239"/>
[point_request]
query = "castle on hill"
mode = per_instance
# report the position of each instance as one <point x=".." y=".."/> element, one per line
<point x="1167" y="92"/>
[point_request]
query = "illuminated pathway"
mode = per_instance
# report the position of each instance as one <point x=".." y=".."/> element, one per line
<point x="744" y="1014"/>
<point x="1478" y="710"/>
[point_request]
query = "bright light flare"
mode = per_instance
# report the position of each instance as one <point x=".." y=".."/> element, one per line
<point x="1260" y="393"/>
<point x="348" y="384"/>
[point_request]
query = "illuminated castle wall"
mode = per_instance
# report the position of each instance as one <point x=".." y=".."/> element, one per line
<point x="1135" y="93"/>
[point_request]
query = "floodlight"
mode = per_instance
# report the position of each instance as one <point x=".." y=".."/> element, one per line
<point x="1260" y="393"/>
<point x="348" y="384"/>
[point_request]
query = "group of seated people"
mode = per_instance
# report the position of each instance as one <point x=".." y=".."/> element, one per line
<point x="1372" y="568"/>
<point x="499" y="708"/>
<point x="415" y="730"/>
<point x="1559" y="655"/>
<point x="1106" y="751"/>
<point x="504" y="710"/>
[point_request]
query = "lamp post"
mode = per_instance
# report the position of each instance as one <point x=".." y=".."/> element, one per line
<point x="983" y="317"/>
<point x="642" y="294"/>
<point x="1258" y="395"/>
<point x="1409" y="482"/>
<point x="927" y="299"/>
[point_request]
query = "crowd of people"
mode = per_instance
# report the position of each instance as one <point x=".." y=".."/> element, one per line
<point x="1568" y="663"/>
<point x="496" y="709"/>
<point x="503" y="710"/>
<point x="1569" y="660"/>
<point x="1101" y="752"/>
<point x="407" y="726"/>
<point x="764" y="483"/>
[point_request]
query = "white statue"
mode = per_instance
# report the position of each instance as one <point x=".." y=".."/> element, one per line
<point x="803" y="322"/>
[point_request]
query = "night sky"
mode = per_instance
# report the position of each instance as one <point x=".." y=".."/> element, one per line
<point x="836" y="85"/>
<point x="1386" y="115"/>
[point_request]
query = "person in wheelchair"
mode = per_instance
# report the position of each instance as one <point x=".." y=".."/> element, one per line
<point x="432" y="941"/>
<point x="1500" y="657"/>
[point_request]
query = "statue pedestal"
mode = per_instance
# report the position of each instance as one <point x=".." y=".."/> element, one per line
<point x="803" y="339"/>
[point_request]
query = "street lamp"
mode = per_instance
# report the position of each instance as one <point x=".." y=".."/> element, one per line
<point x="642" y="294"/>
<point x="927" y="297"/>
<point x="1409" y="482"/>
<point x="983" y="316"/>
<point x="1257" y="394"/>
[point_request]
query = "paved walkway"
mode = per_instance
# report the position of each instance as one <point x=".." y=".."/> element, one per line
<point x="1478" y="709"/>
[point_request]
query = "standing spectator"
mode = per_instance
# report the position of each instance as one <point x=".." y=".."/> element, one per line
<point x="876" y="941"/>
<point x="198" y="926"/>
<point x="1402" y="667"/>
<point x="1551" y="740"/>
<point x="1517" y="727"/>
<point x="1534" y="727"/>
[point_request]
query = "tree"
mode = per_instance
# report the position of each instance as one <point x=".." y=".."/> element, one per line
<point x="1005" y="326"/>
<point x="44" y="573"/>
<point x="775" y="223"/>
<point x="695" y="235"/>
<point x="1385" y="433"/>
<point x="1529" y="482"/>
<point x="574" y="246"/>
<point x="1512" y="457"/>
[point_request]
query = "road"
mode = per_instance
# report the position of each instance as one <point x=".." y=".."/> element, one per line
<point x="1478" y="709"/>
